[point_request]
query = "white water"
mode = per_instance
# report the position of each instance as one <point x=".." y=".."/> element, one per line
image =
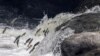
<point x="49" y="44"/>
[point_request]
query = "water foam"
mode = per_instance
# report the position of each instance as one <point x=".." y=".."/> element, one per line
<point x="49" y="42"/>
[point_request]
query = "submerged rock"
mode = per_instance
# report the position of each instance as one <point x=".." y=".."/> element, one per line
<point x="83" y="44"/>
<point x="87" y="22"/>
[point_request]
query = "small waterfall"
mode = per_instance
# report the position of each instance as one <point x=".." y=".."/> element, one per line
<point x="45" y="33"/>
<point x="50" y="45"/>
<point x="52" y="42"/>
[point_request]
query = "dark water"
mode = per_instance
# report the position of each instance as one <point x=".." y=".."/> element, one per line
<point x="31" y="11"/>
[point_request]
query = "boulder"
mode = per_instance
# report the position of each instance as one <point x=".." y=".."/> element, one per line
<point x="82" y="44"/>
<point x="84" y="23"/>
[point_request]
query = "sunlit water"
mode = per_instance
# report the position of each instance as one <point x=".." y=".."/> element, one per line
<point x="49" y="42"/>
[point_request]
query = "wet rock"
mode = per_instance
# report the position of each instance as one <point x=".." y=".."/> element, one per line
<point x="86" y="22"/>
<point x="83" y="44"/>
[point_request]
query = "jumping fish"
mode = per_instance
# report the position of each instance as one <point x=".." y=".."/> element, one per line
<point x="30" y="42"/>
<point x="23" y="34"/>
<point x="27" y="41"/>
<point x="37" y="31"/>
<point x="18" y="42"/>
<point x="17" y="38"/>
<point x="4" y="30"/>
<point x="34" y="47"/>
<point x="46" y="32"/>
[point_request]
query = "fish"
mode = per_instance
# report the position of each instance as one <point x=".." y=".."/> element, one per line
<point x="46" y="32"/>
<point x="18" y="42"/>
<point x="32" y="49"/>
<point x="34" y="46"/>
<point x="37" y="31"/>
<point x="30" y="42"/>
<point x="27" y="41"/>
<point x="17" y="38"/>
<point x="4" y="30"/>
<point x="23" y="34"/>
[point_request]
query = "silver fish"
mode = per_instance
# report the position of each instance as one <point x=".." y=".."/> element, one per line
<point x="34" y="46"/>
<point x="4" y="30"/>
<point x="27" y="41"/>
<point x="30" y="42"/>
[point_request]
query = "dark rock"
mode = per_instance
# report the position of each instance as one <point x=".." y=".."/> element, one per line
<point x="81" y="44"/>
<point x="87" y="22"/>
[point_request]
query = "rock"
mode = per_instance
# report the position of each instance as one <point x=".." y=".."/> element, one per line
<point x="87" y="22"/>
<point x="82" y="44"/>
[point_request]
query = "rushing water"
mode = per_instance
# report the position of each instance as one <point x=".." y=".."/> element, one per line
<point x="49" y="39"/>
